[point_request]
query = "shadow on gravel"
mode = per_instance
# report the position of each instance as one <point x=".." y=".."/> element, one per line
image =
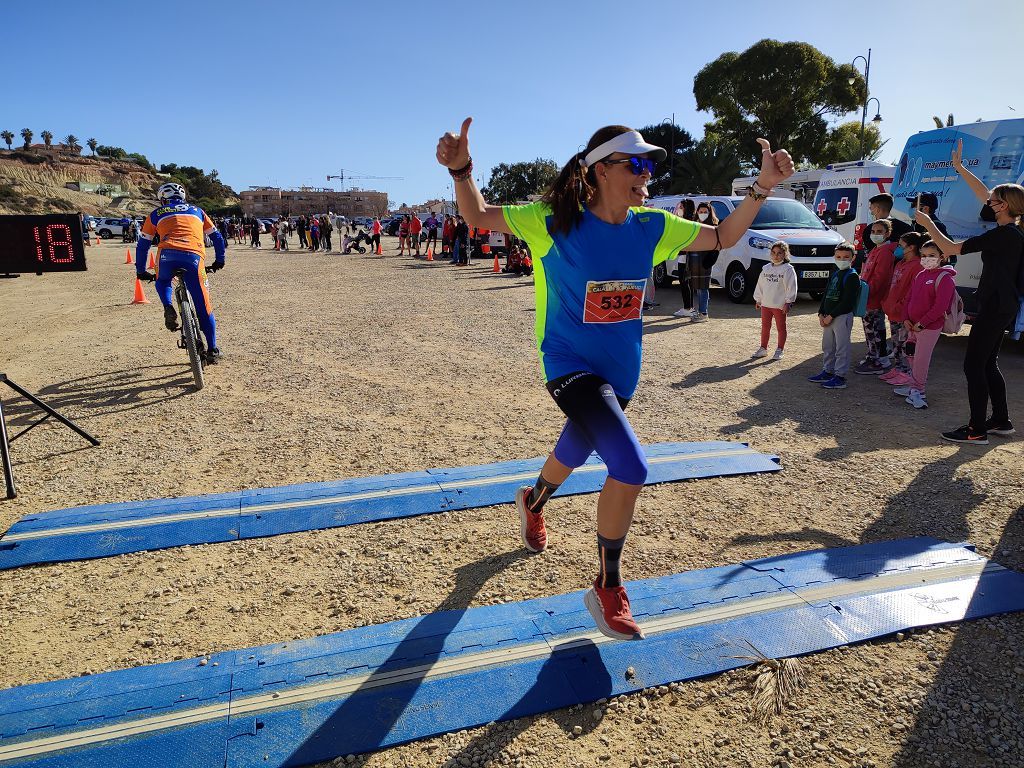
<point x="422" y="645"/>
<point x="106" y="393"/>
<point x="716" y="374"/>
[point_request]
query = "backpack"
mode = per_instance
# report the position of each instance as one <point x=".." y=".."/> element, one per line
<point x="955" y="316"/>
<point x="862" y="298"/>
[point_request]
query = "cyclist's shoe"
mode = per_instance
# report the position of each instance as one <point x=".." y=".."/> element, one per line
<point x="170" y="318"/>
<point x="610" y="609"/>
<point x="213" y="355"/>
<point x="531" y="524"/>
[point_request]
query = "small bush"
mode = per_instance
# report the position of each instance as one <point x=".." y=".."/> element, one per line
<point x="9" y="195"/>
<point x="60" y="204"/>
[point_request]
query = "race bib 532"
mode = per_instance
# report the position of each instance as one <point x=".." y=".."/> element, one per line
<point x="613" y="301"/>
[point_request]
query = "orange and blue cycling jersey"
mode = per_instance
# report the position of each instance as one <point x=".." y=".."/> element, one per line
<point x="180" y="226"/>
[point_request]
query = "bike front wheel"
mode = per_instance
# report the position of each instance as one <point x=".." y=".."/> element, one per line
<point x="190" y="334"/>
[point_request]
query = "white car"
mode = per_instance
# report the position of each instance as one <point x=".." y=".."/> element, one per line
<point x="812" y="245"/>
<point x="111" y="227"/>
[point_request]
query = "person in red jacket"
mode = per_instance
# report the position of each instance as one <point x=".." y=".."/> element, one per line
<point x="908" y="264"/>
<point x="877" y="273"/>
<point x="415" y="227"/>
<point x="930" y="297"/>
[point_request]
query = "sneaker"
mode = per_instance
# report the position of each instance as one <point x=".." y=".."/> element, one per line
<point x="213" y="355"/>
<point x="900" y="379"/>
<point x="901" y="391"/>
<point x="916" y="399"/>
<point x="820" y="378"/>
<point x="170" y="318"/>
<point x="694" y="314"/>
<point x="681" y="313"/>
<point x="836" y="382"/>
<point x="869" y="368"/>
<point x="761" y="352"/>
<point x="777" y="355"/>
<point x="966" y="434"/>
<point x="531" y="526"/>
<point x="610" y="609"/>
<point x="1004" y="428"/>
<point x="702" y="318"/>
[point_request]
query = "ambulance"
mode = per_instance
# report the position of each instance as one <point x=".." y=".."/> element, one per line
<point x="993" y="151"/>
<point x="844" y="190"/>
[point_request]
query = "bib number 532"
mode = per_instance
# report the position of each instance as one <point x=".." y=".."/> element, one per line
<point x="613" y="301"/>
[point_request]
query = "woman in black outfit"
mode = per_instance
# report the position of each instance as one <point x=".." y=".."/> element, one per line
<point x="998" y="295"/>
<point x="686" y="210"/>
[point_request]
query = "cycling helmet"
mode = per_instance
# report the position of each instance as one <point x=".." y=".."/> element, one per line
<point x="170" y="191"/>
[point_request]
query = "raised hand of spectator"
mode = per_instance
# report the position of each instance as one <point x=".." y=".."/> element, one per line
<point x="956" y="158"/>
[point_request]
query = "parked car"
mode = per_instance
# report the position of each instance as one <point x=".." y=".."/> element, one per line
<point x="812" y="245"/>
<point x="107" y="228"/>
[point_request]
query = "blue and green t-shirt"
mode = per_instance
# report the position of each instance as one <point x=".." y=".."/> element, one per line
<point x="590" y="287"/>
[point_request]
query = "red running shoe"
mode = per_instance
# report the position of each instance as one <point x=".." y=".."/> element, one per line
<point x="610" y="609"/>
<point x="531" y="526"/>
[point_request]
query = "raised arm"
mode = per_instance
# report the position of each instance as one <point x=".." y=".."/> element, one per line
<point x="774" y="168"/>
<point x="977" y="185"/>
<point x="453" y="154"/>
<point x="947" y="246"/>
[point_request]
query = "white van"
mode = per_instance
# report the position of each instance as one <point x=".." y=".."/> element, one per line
<point x="993" y="151"/>
<point x="844" y="189"/>
<point x="812" y="245"/>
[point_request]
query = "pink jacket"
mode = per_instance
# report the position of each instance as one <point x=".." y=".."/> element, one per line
<point x="928" y="304"/>
<point x="895" y="302"/>
<point x="877" y="273"/>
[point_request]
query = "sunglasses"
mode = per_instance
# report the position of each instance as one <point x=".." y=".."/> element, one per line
<point x="992" y="201"/>
<point x="639" y="165"/>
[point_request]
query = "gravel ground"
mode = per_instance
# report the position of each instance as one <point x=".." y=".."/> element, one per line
<point x="351" y="366"/>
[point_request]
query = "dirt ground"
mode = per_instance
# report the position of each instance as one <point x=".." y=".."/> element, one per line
<point x="351" y="366"/>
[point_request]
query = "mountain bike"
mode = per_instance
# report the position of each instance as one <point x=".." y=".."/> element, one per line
<point x="191" y="336"/>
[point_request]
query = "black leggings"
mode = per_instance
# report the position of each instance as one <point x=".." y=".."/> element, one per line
<point x="596" y="422"/>
<point x="981" y="366"/>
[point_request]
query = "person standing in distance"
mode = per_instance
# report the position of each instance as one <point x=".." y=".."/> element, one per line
<point x="181" y="228"/>
<point x="593" y="246"/>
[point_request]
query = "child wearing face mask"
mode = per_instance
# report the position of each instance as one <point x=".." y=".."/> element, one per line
<point x="908" y="264"/>
<point x="774" y="295"/>
<point x="835" y="316"/>
<point x="877" y="273"/>
<point x="930" y="295"/>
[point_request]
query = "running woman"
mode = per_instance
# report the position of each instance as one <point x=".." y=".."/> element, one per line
<point x="594" y="245"/>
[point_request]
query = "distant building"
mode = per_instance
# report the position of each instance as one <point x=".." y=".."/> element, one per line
<point x="274" y="201"/>
<point x="54" y="151"/>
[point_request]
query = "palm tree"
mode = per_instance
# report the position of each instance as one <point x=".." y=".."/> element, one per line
<point x="708" y="167"/>
<point x="8" y="137"/>
<point x="26" y="134"/>
<point x="92" y="145"/>
<point x="72" y="143"/>
<point x="47" y="138"/>
<point x="939" y="123"/>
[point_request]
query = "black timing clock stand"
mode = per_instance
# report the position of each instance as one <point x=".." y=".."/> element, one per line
<point x="5" y="448"/>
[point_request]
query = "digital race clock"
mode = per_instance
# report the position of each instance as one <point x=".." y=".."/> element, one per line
<point x="51" y="243"/>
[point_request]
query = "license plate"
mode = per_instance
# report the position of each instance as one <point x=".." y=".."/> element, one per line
<point x="810" y="275"/>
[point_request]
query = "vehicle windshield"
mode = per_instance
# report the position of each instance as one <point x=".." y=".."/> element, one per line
<point x="784" y="214"/>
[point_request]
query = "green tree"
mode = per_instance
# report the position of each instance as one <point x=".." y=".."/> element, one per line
<point x="8" y="137"/>
<point x="92" y="145"/>
<point x="113" y="152"/>
<point x="708" y="168"/>
<point x="26" y="134"/>
<point x="510" y="182"/>
<point x="47" y="137"/>
<point x="671" y="138"/>
<point x="781" y="91"/>
<point x="72" y="142"/>
<point x="843" y="143"/>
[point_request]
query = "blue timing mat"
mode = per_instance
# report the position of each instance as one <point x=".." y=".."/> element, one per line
<point x="300" y="702"/>
<point x="83" y="533"/>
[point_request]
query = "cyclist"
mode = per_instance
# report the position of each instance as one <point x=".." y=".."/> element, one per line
<point x="181" y="228"/>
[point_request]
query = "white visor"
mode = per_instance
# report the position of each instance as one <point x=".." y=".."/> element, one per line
<point x="628" y="143"/>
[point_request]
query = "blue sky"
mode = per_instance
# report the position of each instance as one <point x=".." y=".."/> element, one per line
<point x="286" y="93"/>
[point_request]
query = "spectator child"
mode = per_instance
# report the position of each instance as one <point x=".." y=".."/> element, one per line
<point x="930" y="296"/>
<point x="877" y="273"/>
<point x="774" y="295"/>
<point x="446" y="235"/>
<point x="835" y="316"/>
<point x="403" y="236"/>
<point x="908" y="264"/>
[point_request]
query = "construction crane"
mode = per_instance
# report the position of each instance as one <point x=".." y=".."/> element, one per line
<point x="341" y="176"/>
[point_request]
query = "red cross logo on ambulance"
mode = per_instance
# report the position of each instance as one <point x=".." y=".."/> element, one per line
<point x="822" y="207"/>
<point x="844" y="206"/>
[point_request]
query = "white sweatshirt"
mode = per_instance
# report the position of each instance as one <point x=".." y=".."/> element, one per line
<point x="776" y="285"/>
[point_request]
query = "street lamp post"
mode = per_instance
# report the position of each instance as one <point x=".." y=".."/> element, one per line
<point x="867" y="92"/>
<point x="672" y="148"/>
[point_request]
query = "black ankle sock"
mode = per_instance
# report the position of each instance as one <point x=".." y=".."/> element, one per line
<point x="609" y="552"/>
<point x="539" y="495"/>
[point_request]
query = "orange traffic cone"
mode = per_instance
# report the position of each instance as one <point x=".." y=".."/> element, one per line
<point x="496" y="267"/>
<point x="152" y="262"/>
<point x="379" y="251"/>
<point x="140" y="295"/>
<point x="430" y="254"/>
<point x="127" y="256"/>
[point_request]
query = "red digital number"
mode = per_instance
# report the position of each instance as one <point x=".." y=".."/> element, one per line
<point x="39" y="245"/>
<point x="55" y="244"/>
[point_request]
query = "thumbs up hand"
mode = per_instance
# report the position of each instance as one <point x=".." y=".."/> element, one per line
<point x="453" y="148"/>
<point x="775" y="167"/>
